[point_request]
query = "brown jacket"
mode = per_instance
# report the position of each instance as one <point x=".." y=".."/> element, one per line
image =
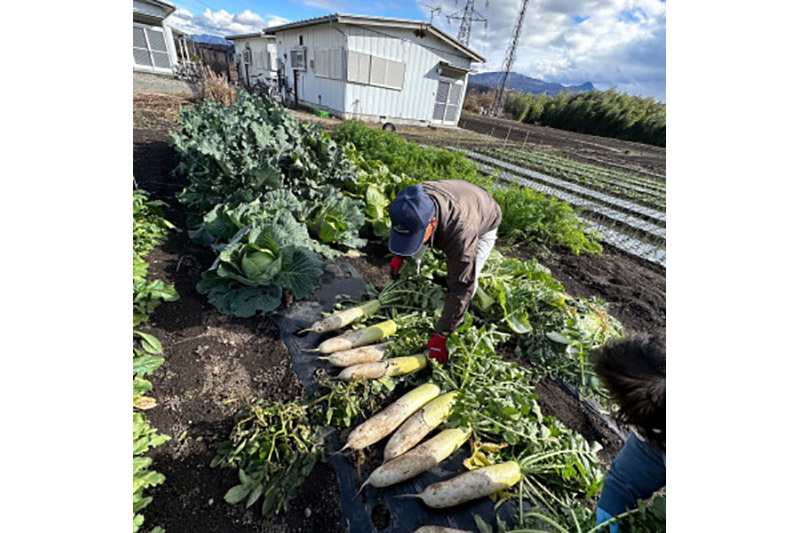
<point x="464" y="212"/>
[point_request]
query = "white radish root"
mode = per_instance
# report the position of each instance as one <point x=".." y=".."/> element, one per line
<point x="419" y="425"/>
<point x="396" y="366"/>
<point x="419" y="459"/>
<point x="358" y="337"/>
<point x="471" y="485"/>
<point x="343" y="318"/>
<point x="383" y="423"/>
<point x="364" y="354"/>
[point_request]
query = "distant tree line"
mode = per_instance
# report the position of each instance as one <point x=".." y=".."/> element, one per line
<point x="605" y="113"/>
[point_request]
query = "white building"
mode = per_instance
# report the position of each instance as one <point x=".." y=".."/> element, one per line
<point x="256" y="56"/>
<point x="370" y="68"/>
<point x="153" y="44"/>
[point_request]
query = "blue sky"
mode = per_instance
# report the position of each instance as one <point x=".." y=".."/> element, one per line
<point x="611" y="43"/>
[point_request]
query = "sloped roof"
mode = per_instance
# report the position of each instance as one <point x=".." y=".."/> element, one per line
<point x="386" y="22"/>
<point x="261" y="33"/>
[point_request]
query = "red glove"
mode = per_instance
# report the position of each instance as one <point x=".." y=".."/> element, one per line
<point x="438" y="349"/>
<point x="394" y="266"/>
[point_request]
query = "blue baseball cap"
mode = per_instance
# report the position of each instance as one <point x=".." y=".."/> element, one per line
<point x="410" y="213"/>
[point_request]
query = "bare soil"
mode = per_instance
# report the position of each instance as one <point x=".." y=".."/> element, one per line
<point x="215" y="364"/>
<point x="592" y="149"/>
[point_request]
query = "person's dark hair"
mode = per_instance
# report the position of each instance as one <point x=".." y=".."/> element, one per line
<point x="635" y="372"/>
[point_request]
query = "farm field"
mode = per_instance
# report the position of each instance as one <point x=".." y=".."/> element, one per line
<point x="216" y="363"/>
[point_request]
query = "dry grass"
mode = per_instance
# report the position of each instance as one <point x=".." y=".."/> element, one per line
<point x="215" y="87"/>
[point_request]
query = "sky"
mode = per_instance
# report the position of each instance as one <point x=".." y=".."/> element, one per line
<point x="611" y="43"/>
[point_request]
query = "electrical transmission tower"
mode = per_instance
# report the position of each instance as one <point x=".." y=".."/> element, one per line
<point x="467" y="16"/>
<point x="508" y="63"/>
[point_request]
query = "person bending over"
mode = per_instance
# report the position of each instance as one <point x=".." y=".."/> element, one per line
<point x="458" y="218"/>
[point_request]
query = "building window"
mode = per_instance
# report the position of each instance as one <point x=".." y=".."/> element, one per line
<point x="298" y="59"/>
<point x="150" y="48"/>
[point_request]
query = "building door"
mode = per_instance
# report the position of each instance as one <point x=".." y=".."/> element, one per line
<point x="448" y="100"/>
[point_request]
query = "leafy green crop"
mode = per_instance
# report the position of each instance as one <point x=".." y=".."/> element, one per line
<point x="260" y="262"/>
<point x="149" y="229"/>
<point x="144" y="438"/>
<point x="497" y="399"/>
<point x="560" y="346"/>
<point x="274" y="446"/>
<point x="337" y="219"/>
<point x="254" y="146"/>
<point x="404" y="157"/>
<point x="149" y="225"/>
<point x="533" y="218"/>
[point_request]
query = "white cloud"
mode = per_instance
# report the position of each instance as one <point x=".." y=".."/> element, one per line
<point x="619" y="43"/>
<point x="221" y="23"/>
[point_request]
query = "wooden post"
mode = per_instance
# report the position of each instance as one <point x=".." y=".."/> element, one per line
<point x="506" y="139"/>
<point x="526" y="138"/>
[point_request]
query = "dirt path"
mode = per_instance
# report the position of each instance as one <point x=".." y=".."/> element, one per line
<point x="215" y="364"/>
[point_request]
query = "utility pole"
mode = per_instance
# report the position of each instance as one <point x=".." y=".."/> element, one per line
<point x="467" y="16"/>
<point x="508" y="63"/>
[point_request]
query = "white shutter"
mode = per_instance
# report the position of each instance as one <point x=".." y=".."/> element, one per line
<point x="358" y="67"/>
<point x="335" y="64"/>
<point x="321" y="63"/>
<point x="395" y="74"/>
<point x="364" y="61"/>
<point x="377" y="71"/>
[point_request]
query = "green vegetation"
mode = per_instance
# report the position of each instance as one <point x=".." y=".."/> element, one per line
<point x="542" y="221"/>
<point x="266" y="193"/>
<point x="402" y="157"/>
<point x="149" y="228"/>
<point x="528" y="216"/>
<point x="258" y="264"/>
<point x="605" y="113"/>
<point x="274" y="446"/>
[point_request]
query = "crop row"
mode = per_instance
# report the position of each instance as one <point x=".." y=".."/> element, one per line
<point x="647" y="180"/>
<point x="626" y="231"/>
<point x="149" y="229"/>
<point x="611" y="182"/>
<point x="655" y="216"/>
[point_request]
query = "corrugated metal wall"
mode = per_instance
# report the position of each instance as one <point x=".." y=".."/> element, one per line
<point x="260" y="47"/>
<point x="315" y="92"/>
<point x="421" y="56"/>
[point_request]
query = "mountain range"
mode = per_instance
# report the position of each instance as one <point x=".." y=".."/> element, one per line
<point x="525" y="84"/>
<point x="211" y="39"/>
